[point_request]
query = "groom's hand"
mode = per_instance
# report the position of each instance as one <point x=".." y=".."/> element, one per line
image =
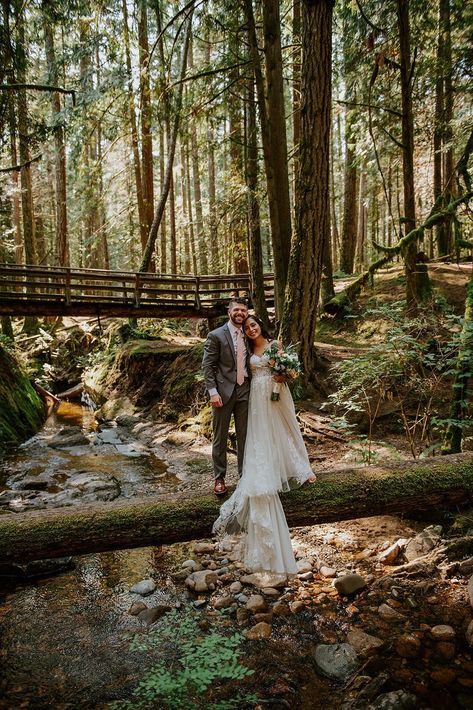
<point x="216" y="400"/>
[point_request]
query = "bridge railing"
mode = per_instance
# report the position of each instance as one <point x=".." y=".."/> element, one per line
<point x="69" y="286"/>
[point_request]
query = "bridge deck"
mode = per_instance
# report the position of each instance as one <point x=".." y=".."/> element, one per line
<point x="54" y="291"/>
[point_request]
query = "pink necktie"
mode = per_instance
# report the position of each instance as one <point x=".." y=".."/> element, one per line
<point x="240" y="353"/>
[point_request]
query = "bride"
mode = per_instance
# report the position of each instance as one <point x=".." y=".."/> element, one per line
<point x="275" y="459"/>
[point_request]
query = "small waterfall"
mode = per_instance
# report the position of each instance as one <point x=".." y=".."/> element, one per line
<point x="87" y="401"/>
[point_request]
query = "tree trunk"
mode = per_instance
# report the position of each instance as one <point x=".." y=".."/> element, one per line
<point x="27" y="208"/>
<point x="187" y="219"/>
<point x="416" y="288"/>
<point x="279" y="263"/>
<point x="296" y="87"/>
<point x="190" y="212"/>
<point x="153" y="232"/>
<point x="313" y="183"/>
<point x="213" y="230"/>
<point x="461" y="399"/>
<point x="449" y="185"/>
<point x="441" y="231"/>
<point x="134" y="132"/>
<point x="276" y="113"/>
<point x="162" y="168"/>
<point x="254" y="223"/>
<point x="411" y="488"/>
<point x="146" y="118"/>
<point x="350" y="192"/>
<point x="61" y="241"/>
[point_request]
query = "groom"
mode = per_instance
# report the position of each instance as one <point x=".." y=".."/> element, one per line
<point x="227" y="379"/>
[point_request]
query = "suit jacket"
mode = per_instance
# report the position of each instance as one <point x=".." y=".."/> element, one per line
<point x="219" y="362"/>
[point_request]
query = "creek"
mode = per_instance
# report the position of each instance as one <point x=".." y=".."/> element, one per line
<point x="67" y="630"/>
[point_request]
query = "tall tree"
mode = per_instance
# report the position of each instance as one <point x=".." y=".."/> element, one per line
<point x="153" y="232"/>
<point x="313" y="193"/>
<point x="147" y="167"/>
<point x="273" y="130"/>
<point x="62" y="239"/>
<point x="416" y="279"/>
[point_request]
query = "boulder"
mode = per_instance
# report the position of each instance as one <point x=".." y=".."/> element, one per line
<point x="349" y="584"/>
<point x="364" y="644"/>
<point x="442" y="632"/>
<point x="201" y="581"/>
<point x="395" y="700"/>
<point x="259" y="631"/>
<point x="144" y="588"/>
<point x="336" y="660"/>
<point x="423" y="543"/>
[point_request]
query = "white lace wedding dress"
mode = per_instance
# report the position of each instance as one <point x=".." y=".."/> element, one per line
<point x="275" y="460"/>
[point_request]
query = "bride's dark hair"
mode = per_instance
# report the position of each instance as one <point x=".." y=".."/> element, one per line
<point x="264" y="332"/>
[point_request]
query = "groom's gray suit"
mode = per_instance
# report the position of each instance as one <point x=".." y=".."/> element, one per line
<point x="220" y="373"/>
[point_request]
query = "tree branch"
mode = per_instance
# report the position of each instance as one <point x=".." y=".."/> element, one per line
<point x="17" y="168"/>
<point x="371" y="106"/>
<point x="39" y="87"/>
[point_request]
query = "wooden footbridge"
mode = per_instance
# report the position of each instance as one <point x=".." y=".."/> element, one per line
<point x="58" y="291"/>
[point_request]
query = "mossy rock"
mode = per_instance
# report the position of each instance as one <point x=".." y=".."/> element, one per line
<point x="22" y="411"/>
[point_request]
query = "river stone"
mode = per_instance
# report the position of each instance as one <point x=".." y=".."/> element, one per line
<point x="469" y="634"/>
<point x="407" y="646"/>
<point x="336" y="660"/>
<point x="306" y="576"/>
<point x="423" y="543"/>
<point x="442" y="632"/>
<point x="223" y="602"/>
<point x="395" y="700"/>
<point x="388" y="556"/>
<point x="69" y="436"/>
<point x="282" y="609"/>
<point x="202" y="548"/>
<point x="94" y="485"/>
<point x="150" y="616"/>
<point x="271" y="592"/>
<point x="327" y="572"/>
<point x="136" y="608"/>
<point x="304" y="565"/>
<point x="201" y="581"/>
<point x="387" y="613"/>
<point x="256" y="604"/>
<point x="264" y="579"/>
<point x="364" y="644"/>
<point x="235" y="587"/>
<point x="349" y="584"/>
<point x="242" y="615"/>
<point x="144" y="588"/>
<point x="259" y="631"/>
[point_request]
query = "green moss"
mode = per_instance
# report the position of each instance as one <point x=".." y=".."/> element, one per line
<point x="21" y="409"/>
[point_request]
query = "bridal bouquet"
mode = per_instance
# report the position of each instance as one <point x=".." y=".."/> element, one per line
<point x="283" y="362"/>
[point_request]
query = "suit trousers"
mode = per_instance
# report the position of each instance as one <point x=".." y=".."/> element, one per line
<point x="238" y="406"/>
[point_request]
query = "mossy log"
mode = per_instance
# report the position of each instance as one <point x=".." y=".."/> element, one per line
<point x="340" y="303"/>
<point x="410" y="488"/>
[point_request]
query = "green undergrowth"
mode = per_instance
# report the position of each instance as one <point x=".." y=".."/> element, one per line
<point x="193" y="669"/>
<point x="21" y="409"/>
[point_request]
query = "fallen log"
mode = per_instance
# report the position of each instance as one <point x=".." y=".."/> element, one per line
<point x="72" y="393"/>
<point x="408" y="488"/>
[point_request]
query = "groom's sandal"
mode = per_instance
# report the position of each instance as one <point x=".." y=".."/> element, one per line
<point x="220" y="488"/>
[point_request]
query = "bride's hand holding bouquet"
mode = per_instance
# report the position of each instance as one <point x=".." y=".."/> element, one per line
<point x="284" y="366"/>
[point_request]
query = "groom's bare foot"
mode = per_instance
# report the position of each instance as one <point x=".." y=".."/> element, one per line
<point x="312" y="479"/>
<point x="220" y="488"/>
